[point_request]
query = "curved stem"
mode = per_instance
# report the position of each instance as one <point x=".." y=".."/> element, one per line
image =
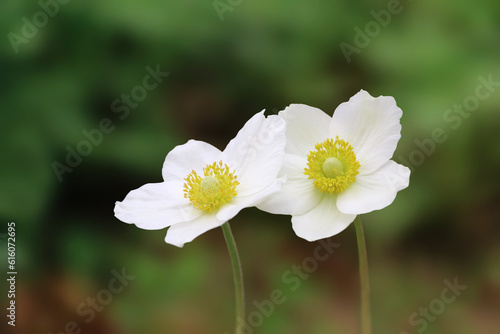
<point x="364" y="279"/>
<point x="238" y="278"/>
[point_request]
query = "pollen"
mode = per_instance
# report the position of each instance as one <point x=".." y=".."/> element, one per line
<point x="332" y="166"/>
<point x="213" y="189"/>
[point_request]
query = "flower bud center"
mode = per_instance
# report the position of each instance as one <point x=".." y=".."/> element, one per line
<point x="209" y="184"/>
<point x="210" y="191"/>
<point x="332" y="167"/>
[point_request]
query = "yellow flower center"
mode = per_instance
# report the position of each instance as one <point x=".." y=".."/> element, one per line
<point x="333" y="166"/>
<point x="216" y="188"/>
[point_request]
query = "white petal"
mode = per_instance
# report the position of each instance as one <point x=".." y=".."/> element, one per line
<point x="181" y="233"/>
<point x="374" y="191"/>
<point x="155" y="206"/>
<point x="298" y="195"/>
<point x="239" y="203"/>
<point x="371" y="125"/>
<point x="193" y="155"/>
<point x="256" y="153"/>
<point x="305" y="127"/>
<point x="323" y="221"/>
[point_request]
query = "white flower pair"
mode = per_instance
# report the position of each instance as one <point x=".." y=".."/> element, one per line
<point x="321" y="170"/>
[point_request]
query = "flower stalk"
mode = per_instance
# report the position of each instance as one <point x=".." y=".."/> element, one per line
<point x="364" y="278"/>
<point x="238" y="277"/>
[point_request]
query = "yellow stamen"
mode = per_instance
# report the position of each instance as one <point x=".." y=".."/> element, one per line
<point x="333" y="166"/>
<point x="216" y="188"/>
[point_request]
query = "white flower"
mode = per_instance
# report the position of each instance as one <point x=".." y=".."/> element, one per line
<point x="338" y="167"/>
<point x="203" y="187"/>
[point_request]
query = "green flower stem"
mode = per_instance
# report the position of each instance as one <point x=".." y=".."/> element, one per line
<point x="364" y="279"/>
<point x="238" y="277"/>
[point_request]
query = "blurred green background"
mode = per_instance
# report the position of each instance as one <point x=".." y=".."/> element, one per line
<point x="65" y="77"/>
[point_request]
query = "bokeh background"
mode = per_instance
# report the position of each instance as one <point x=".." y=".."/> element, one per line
<point x="261" y="55"/>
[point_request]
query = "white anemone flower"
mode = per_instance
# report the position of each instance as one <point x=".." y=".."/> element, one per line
<point x="203" y="187"/>
<point x="338" y="167"/>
